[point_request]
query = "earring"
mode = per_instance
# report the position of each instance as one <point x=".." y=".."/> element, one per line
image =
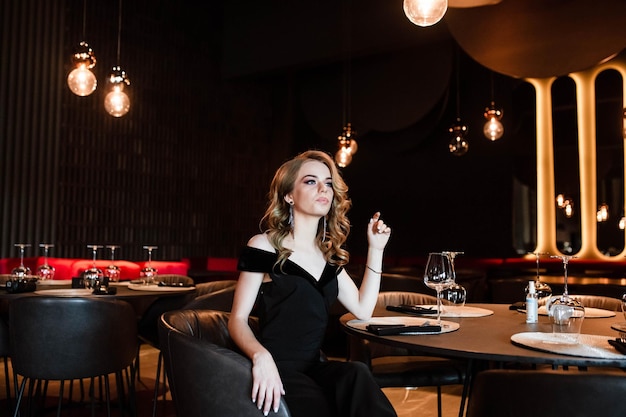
<point x="291" y="214"/>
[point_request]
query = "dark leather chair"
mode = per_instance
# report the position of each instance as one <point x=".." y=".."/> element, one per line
<point x="523" y="393"/>
<point x="398" y="367"/>
<point x="216" y="296"/>
<point x="148" y="326"/>
<point x="64" y="339"/>
<point x="207" y="373"/>
<point x="5" y="351"/>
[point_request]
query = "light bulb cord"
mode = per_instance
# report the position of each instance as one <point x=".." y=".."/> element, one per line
<point x="84" y="18"/>
<point x="119" y="31"/>
<point x="347" y="62"/>
<point x="458" y="84"/>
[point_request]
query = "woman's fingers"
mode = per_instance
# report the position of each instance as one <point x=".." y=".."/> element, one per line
<point x="378" y="225"/>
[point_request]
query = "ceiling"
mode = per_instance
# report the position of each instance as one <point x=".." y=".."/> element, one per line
<point x="399" y="72"/>
<point x="518" y="38"/>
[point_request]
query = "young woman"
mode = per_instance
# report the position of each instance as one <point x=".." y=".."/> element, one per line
<point x="291" y="275"/>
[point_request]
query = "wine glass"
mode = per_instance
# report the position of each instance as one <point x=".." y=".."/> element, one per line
<point x="455" y="294"/>
<point x="565" y="312"/>
<point x="21" y="271"/>
<point x="93" y="275"/>
<point x="112" y="272"/>
<point x="542" y="289"/>
<point x="45" y="271"/>
<point x="148" y="272"/>
<point x="438" y="275"/>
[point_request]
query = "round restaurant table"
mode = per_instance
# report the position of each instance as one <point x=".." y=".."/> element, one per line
<point x="488" y="339"/>
<point x="139" y="299"/>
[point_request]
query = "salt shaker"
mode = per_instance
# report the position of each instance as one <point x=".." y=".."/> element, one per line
<point x="531" y="303"/>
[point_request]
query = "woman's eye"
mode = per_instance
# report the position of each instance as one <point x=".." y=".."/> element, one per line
<point x="310" y="182"/>
<point x="329" y="184"/>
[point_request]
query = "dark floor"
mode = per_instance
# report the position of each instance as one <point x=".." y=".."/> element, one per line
<point x="420" y="402"/>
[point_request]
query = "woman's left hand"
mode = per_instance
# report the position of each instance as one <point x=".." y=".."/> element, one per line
<point x="377" y="232"/>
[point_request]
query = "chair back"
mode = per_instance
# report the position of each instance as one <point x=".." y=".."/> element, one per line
<point x="513" y="393"/>
<point x="213" y="286"/>
<point x="221" y="300"/>
<point x="57" y="338"/>
<point x="207" y="373"/>
<point x="388" y="298"/>
<point x="595" y="301"/>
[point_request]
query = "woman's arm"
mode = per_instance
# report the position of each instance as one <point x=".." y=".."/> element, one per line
<point x="361" y="301"/>
<point x="267" y="386"/>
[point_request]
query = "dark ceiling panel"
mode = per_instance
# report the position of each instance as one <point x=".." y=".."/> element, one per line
<point x="540" y="38"/>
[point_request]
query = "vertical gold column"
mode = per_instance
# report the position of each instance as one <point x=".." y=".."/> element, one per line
<point x="546" y="216"/>
<point x="585" y="101"/>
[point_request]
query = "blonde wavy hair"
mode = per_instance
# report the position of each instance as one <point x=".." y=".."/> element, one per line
<point x="275" y="222"/>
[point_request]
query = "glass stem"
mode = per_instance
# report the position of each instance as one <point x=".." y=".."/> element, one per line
<point x="565" y="293"/>
<point x="439" y="307"/>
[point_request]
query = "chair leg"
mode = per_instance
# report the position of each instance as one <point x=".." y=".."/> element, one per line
<point x="156" y="384"/>
<point x="61" y="385"/>
<point x="18" y="397"/>
<point x="7" y="381"/>
<point x="439" y="400"/>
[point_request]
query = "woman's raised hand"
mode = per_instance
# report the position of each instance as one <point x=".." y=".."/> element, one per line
<point x="377" y="232"/>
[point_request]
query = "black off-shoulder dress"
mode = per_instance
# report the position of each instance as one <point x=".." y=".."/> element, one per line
<point x="293" y="311"/>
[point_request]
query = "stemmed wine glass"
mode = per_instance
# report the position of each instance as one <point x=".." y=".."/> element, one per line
<point x="21" y="271"/>
<point x="542" y="289"/>
<point x="93" y="274"/>
<point x="455" y="294"/>
<point x="565" y="312"/>
<point x="45" y="271"/>
<point x="148" y="272"/>
<point x="438" y="275"/>
<point x="113" y="272"/>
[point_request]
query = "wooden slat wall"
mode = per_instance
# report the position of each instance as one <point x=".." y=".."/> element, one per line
<point x="32" y="33"/>
<point x="186" y="169"/>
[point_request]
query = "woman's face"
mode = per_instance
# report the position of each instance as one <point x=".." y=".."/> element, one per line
<point x="312" y="192"/>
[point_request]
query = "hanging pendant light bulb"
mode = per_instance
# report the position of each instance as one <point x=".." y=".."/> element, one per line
<point x="425" y="12"/>
<point x="493" y="128"/>
<point x="116" y="102"/>
<point x="347" y="146"/>
<point x="81" y="80"/>
<point x="458" y="143"/>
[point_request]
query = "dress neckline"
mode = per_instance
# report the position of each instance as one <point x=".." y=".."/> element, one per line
<point x="296" y="265"/>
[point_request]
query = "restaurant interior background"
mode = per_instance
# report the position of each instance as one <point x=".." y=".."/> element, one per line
<point x="223" y="92"/>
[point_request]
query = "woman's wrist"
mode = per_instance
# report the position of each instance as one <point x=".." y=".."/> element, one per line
<point x="374" y="270"/>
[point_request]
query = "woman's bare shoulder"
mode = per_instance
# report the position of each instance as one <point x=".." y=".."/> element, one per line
<point x="260" y="241"/>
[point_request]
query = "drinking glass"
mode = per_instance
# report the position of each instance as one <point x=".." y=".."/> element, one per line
<point x="93" y="275"/>
<point x="45" y="271"/>
<point x="566" y="313"/>
<point x="21" y="271"/>
<point x="438" y="275"/>
<point x="624" y="305"/>
<point x="455" y="294"/>
<point x="542" y="289"/>
<point x="112" y="272"/>
<point x="148" y="272"/>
